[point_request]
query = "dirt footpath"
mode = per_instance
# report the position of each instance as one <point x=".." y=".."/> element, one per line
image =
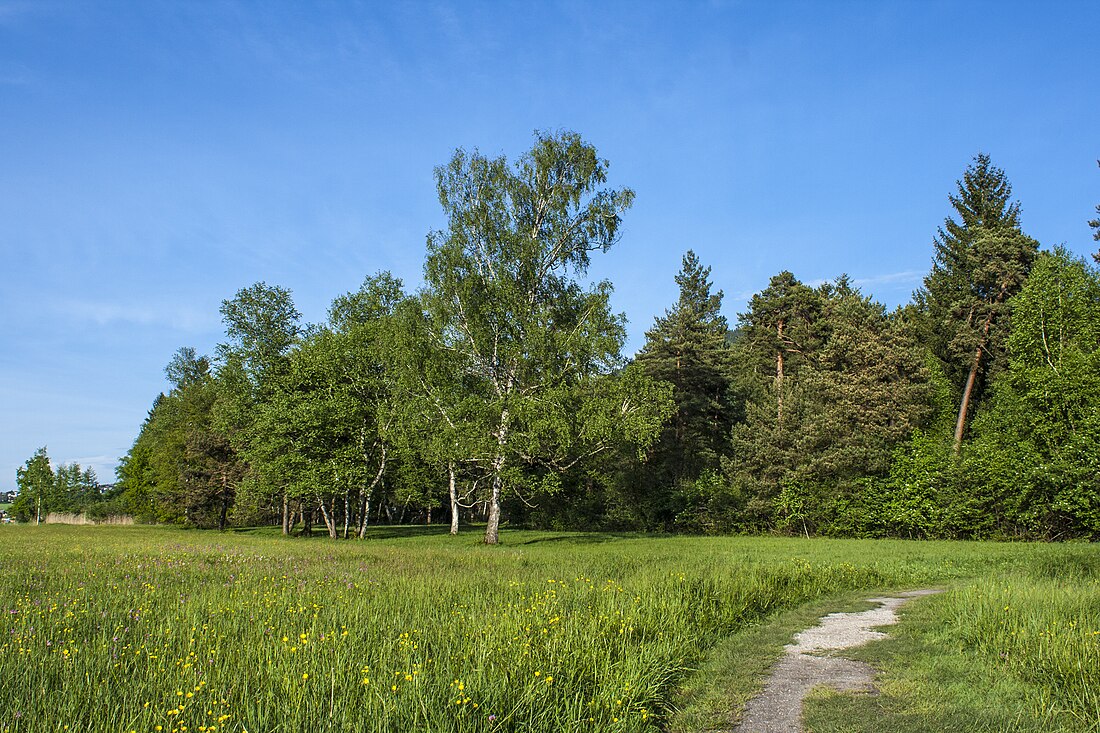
<point x="806" y="664"/>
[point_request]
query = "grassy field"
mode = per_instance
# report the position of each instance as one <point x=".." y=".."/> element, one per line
<point x="148" y="629"/>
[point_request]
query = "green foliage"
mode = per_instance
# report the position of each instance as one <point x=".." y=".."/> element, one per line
<point x="503" y="302"/>
<point x="262" y="325"/>
<point x="981" y="261"/>
<point x="69" y="489"/>
<point x="183" y="468"/>
<point x="687" y="349"/>
<point x="1038" y="446"/>
<point x="836" y="384"/>
<point x="35" y="481"/>
<point x="499" y="391"/>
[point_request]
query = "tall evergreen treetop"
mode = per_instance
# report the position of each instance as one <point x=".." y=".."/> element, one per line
<point x="982" y="202"/>
<point x="981" y="260"/>
<point x="687" y="348"/>
<point x="695" y="320"/>
<point x="781" y="330"/>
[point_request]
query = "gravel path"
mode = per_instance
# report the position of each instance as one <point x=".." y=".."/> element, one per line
<point x="807" y="663"/>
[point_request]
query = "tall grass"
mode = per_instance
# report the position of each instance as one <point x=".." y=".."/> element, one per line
<point x="1043" y="631"/>
<point x="119" y="629"/>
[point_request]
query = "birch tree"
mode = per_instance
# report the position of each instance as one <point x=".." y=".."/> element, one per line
<point x="501" y="289"/>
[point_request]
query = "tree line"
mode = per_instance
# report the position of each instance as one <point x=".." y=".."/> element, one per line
<point x="499" y="391"/>
<point x="68" y="489"/>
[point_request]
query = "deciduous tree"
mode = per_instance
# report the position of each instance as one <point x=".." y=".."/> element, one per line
<point x="35" y="481"/>
<point x="500" y="288"/>
<point x="1037" y="448"/>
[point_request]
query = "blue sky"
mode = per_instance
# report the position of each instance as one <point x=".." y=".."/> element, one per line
<point x="155" y="157"/>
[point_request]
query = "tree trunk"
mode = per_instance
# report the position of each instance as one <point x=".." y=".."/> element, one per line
<point x="225" y="503"/>
<point x="429" y="515"/>
<point x="972" y="377"/>
<point x="964" y="404"/>
<point x="286" y="514"/>
<point x="779" y="376"/>
<point x="364" y="516"/>
<point x="492" y="529"/>
<point x="307" y="522"/>
<point x="330" y="523"/>
<point x="454" y="497"/>
<point x="365" y="502"/>
<point x="347" y="513"/>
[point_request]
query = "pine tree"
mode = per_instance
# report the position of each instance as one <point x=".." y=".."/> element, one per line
<point x="835" y="383"/>
<point x="781" y="331"/>
<point x="687" y="348"/>
<point x="981" y="260"/>
<point x="868" y="387"/>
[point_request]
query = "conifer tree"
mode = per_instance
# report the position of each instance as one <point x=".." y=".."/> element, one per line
<point x="781" y="331"/>
<point x="687" y="348"/>
<point x="981" y="260"/>
<point x="834" y="383"/>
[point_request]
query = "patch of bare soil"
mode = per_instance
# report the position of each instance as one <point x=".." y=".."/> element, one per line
<point x="810" y="661"/>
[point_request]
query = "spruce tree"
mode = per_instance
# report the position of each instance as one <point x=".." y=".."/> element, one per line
<point x="687" y="348"/>
<point x="981" y="260"/>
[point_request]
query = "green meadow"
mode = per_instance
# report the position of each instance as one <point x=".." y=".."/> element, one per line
<point x="153" y="629"/>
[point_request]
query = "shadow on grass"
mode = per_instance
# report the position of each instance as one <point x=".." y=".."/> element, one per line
<point x="401" y="531"/>
<point x="380" y="532"/>
<point x="586" y="538"/>
<point x="513" y="536"/>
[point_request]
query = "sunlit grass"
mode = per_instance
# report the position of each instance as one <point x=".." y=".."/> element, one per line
<point x="1007" y="651"/>
<point x="145" y="629"/>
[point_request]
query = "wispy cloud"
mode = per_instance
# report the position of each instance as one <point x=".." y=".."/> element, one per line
<point x="180" y="318"/>
<point x="104" y="466"/>
<point x="905" y="277"/>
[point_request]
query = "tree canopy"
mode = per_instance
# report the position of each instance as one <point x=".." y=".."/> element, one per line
<point x="499" y="392"/>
